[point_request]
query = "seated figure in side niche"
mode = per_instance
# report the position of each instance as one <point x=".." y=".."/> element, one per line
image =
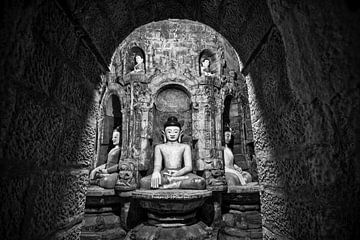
<point x="139" y="65"/>
<point x="205" y="67"/>
<point x="107" y="174"/>
<point x="233" y="173"/>
<point x="177" y="162"/>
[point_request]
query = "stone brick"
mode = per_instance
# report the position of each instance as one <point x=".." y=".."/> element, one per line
<point x="229" y="219"/>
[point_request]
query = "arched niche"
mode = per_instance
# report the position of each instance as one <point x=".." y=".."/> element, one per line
<point x="233" y="118"/>
<point x="130" y="61"/>
<point x="172" y="100"/>
<point x="211" y="56"/>
<point x="226" y="112"/>
<point x="111" y="118"/>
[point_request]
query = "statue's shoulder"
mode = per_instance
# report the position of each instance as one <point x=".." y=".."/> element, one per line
<point x="114" y="151"/>
<point x="160" y="146"/>
<point x="184" y="145"/>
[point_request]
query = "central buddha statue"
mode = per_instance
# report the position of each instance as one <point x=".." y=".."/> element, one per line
<point x="175" y="157"/>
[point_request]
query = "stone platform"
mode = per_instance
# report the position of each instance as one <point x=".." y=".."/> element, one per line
<point x="102" y="215"/>
<point x="172" y="214"/>
<point x="241" y="213"/>
<point x="198" y="231"/>
<point x="171" y="208"/>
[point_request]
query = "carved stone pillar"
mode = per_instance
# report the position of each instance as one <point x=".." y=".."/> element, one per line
<point x="144" y="158"/>
<point x="219" y="109"/>
<point x="201" y="135"/>
<point x="208" y="129"/>
<point x="127" y="167"/>
<point x="217" y="180"/>
<point x="125" y="132"/>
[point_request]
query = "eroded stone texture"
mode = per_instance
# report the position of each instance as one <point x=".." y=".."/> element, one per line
<point x="48" y="78"/>
<point x="308" y="145"/>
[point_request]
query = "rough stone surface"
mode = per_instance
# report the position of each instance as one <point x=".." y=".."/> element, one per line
<point x="47" y="137"/>
<point x="303" y="102"/>
<point x="52" y="195"/>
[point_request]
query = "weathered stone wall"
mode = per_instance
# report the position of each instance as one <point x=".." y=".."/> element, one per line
<point x="304" y="96"/>
<point x="277" y="125"/>
<point x="47" y="122"/>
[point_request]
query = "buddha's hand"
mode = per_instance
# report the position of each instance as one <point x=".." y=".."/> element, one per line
<point x="237" y="168"/>
<point x="174" y="173"/>
<point x="155" y="180"/>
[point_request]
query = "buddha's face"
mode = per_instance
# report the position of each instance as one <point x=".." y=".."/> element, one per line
<point x="139" y="59"/>
<point x="227" y="137"/>
<point x="206" y="63"/>
<point x="172" y="133"/>
<point x="116" y="138"/>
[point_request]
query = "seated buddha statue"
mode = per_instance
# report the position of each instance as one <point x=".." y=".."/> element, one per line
<point x="172" y="163"/>
<point x="233" y="173"/>
<point x="205" y="67"/>
<point x="107" y="174"/>
<point x="139" y="65"/>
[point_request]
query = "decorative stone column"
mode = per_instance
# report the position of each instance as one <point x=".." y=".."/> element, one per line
<point x="219" y="109"/>
<point x="135" y="154"/>
<point x="125" y="132"/>
<point x="145" y="118"/>
<point x="208" y="128"/>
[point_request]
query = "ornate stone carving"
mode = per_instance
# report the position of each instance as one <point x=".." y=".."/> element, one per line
<point x="171" y="208"/>
<point x="215" y="179"/>
<point x="127" y="176"/>
<point x="172" y="65"/>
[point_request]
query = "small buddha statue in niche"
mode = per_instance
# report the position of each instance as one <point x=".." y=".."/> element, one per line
<point x="107" y="174"/>
<point x="175" y="157"/>
<point x="233" y="173"/>
<point x="139" y="65"/>
<point x="205" y="67"/>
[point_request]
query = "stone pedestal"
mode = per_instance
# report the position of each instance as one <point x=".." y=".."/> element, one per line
<point x="242" y="216"/>
<point x="171" y="214"/>
<point x="102" y="215"/>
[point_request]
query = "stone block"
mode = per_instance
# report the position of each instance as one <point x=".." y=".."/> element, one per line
<point x="236" y="232"/>
<point x="244" y="207"/>
<point x="229" y="219"/>
<point x="256" y="234"/>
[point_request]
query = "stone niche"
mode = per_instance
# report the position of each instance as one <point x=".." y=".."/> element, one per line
<point x="173" y="84"/>
<point x="110" y="118"/>
<point x="130" y="58"/>
<point x="173" y="100"/>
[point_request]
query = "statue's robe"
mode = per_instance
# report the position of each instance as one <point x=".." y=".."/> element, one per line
<point x="187" y="181"/>
<point x="112" y="167"/>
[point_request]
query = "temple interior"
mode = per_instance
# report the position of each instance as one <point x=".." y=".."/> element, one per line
<point x="175" y="119"/>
